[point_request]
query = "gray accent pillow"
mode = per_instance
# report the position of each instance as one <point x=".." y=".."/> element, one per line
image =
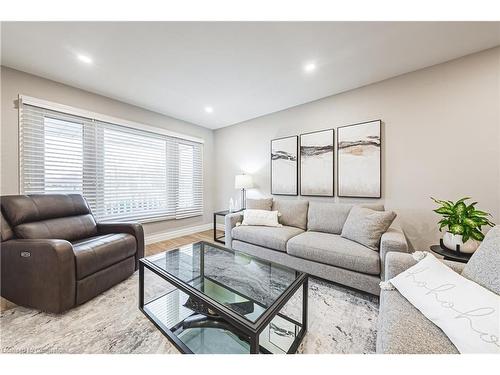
<point x="260" y="204"/>
<point x="293" y="213"/>
<point x="330" y="217"/>
<point x="366" y="226"/>
<point x="484" y="266"/>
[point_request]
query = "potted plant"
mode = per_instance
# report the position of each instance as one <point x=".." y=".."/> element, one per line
<point x="463" y="224"/>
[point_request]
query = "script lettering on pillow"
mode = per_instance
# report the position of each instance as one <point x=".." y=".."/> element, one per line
<point x="465" y="311"/>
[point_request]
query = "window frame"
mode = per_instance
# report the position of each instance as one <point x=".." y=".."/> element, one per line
<point x="98" y="117"/>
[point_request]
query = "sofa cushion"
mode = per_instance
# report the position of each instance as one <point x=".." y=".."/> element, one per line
<point x="19" y="209"/>
<point x="270" y="237"/>
<point x="5" y="228"/>
<point x="49" y="216"/>
<point x="327" y="217"/>
<point x="366" y="226"/>
<point x="334" y="250"/>
<point x="484" y="266"/>
<point x="403" y="329"/>
<point x="96" y="253"/>
<point x="260" y="204"/>
<point x="330" y="217"/>
<point x="293" y="212"/>
<point x="68" y="228"/>
<point x="373" y="206"/>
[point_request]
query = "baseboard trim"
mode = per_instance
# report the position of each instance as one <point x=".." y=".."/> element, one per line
<point x="163" y="236"/>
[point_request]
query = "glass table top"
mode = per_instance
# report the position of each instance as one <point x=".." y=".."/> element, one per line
<point x="245" y="284"/>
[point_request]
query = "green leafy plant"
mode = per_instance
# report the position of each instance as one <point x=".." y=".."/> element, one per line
<point x="463" y="219"/>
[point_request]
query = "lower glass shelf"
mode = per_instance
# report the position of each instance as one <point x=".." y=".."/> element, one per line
<point x="213" y="341"/>
<point x="170" y="312"/>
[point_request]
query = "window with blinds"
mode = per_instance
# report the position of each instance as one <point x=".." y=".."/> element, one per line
<point x="124" y="173"/>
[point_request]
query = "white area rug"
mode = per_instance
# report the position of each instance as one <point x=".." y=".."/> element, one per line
<point x="340" y="321"/>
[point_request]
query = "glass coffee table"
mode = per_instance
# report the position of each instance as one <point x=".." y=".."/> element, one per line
<point x="208" y="299"/>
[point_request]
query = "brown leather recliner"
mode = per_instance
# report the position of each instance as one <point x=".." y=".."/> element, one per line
<point x="55" y="256"/>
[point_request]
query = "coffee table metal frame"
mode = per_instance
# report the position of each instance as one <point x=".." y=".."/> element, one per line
<point x="239" y="324"/>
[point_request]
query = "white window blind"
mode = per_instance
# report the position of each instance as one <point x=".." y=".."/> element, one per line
<point x="123" y="172"/>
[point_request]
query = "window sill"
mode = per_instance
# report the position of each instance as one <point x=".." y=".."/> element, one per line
<point x="146" y="220"/>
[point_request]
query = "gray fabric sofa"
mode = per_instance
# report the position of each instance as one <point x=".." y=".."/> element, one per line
<point x="310" y="241"/>
<point x="403" y="329"/>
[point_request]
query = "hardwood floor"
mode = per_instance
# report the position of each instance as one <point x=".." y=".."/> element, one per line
<point x="151" y="249"/>
<point x="174" y="243"/>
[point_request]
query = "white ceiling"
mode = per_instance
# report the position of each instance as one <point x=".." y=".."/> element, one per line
<point x="241" y="69"/>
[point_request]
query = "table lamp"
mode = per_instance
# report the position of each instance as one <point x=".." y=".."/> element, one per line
<point x="243" y="182"/>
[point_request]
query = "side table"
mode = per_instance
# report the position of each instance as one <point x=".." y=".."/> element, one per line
<point x="220" y="239"/>
<point x="450" y="254"/>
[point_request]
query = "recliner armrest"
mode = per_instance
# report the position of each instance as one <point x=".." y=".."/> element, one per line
<point x="230" y="221"/>
<point x="39" y="273"/>
<point x="135" y="229"/>
<point x="393" y="240"/>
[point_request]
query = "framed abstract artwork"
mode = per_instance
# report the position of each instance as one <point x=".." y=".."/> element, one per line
<point x="284" y="167"/>
<point x="317" y="163"/>
<point x="359" y="160"/>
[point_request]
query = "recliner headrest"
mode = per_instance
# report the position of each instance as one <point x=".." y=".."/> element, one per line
<point x="19" y="209"/>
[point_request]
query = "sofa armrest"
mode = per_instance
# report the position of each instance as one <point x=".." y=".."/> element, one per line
<point x="395" y="263"/>
<point x="393" y="240"/>
<point x="39" y="273"/>
<point x="230" y="221"/>
<point x="135" y="229"/>
<point x="400" y="262"/>
<point x="458" y="267"/>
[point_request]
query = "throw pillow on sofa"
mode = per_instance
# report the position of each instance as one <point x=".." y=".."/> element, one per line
<point x="465" y="311"/>
<point x="366" y="226"/>
<point x="260" y="204"/>
<point x="484" y="266"/>
<point x="260" y="217"/>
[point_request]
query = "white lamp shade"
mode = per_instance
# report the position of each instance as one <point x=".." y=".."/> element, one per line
<point x="243" y="181"/>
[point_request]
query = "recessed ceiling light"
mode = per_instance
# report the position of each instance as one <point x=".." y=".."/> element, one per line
<point x="209" y="109"/>
<point x="309" y="67"/>
<point x="84" y="58"/>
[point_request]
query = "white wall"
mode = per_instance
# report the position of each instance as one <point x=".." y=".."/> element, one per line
<point x="14" y="82"/>
<point x="441" y="137"/>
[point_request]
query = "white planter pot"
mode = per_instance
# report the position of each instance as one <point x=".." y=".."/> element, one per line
<point x="451" y="241"/>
